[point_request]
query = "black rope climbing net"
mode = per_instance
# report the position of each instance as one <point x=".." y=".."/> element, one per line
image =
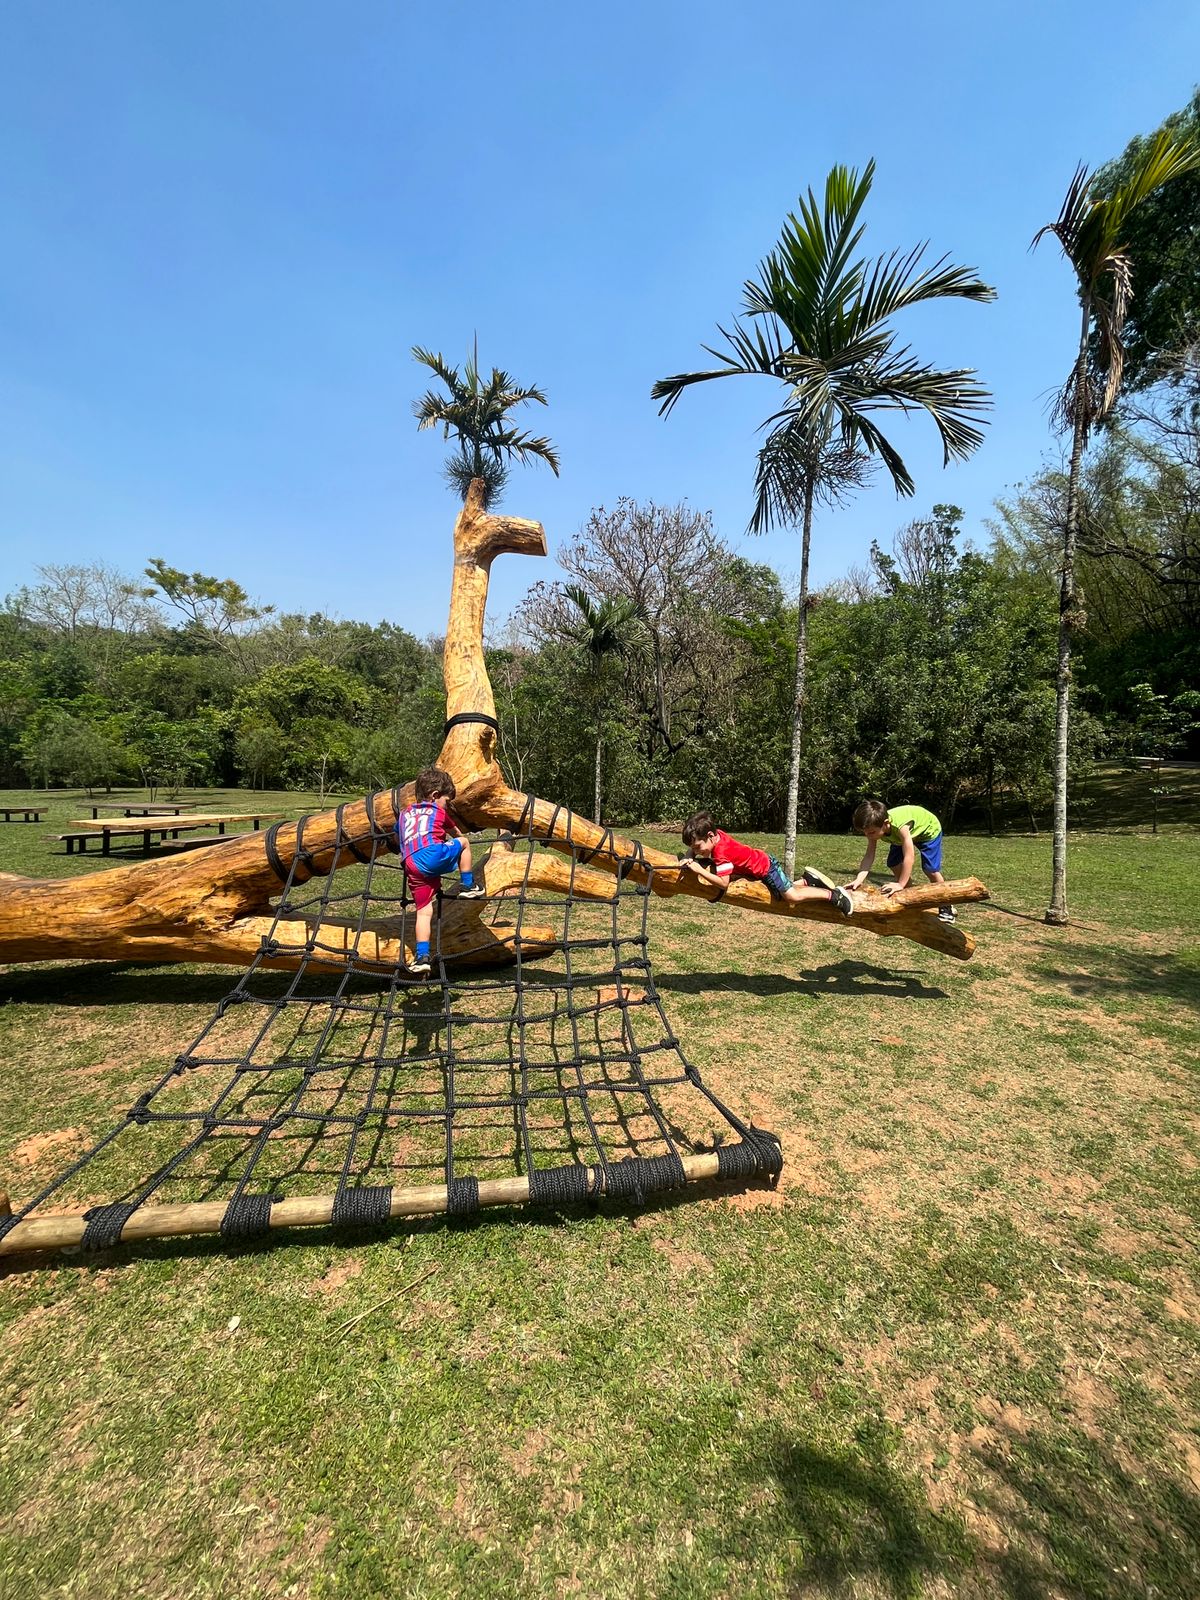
<point x="349" y="1078"/>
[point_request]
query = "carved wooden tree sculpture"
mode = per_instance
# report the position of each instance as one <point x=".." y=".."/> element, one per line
<point x="573" y="1064"/>
<point x="215" y="904"/>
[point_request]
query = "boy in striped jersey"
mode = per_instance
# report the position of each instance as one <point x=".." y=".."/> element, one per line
<point x="431" y="844"/>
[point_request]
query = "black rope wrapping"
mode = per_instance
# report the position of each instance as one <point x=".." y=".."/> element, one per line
<point x="272" y="849"/>
<point x="558" y="1186"/>
<point x="344" y="841"/>
<point x="637" y="1176"/>
<point x="462" y="1196"/>
<point x="104" y="1224"/>
<point x="470" y="716"/>
<point x="364" y="1206"/>
<point x="413" y="1081"/>
<point x="247" y="1216"/>
<point x="757" y="1155"/>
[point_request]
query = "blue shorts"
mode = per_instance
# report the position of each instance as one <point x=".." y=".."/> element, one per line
<point x="930" y="851"/>
<point x="777" y="880"/>
<point x="434" y="859"/>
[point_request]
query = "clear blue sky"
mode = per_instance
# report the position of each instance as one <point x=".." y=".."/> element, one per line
<point x="224" y="224"/>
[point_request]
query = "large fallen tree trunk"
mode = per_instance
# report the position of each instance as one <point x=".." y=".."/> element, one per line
<point x="216" y="904"/>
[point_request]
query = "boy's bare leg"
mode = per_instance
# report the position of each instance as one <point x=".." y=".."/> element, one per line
<point x="464" y="860"/>
<point x="424" y="924"/>
<point x="800" y="891"/>
<point x="835" y="897"/>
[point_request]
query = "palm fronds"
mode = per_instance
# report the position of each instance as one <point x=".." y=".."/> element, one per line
<point x="1089" y="229"/>
<point x="818" y="318"/>
<point x="475" y="411"/>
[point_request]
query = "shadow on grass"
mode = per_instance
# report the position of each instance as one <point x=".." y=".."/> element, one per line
<point x="1080" y="1522"/>
<point x="840" y="977"/>
<point x="1069" y="1519"/>
<point x="860" y="1524"/>
<point x="1125" y="973"/>
<point x="132" y="984"/>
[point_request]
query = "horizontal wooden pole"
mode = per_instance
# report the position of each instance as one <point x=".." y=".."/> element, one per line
<point x="60" y="1229"/>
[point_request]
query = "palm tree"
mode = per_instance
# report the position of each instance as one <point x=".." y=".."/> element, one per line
<point x="607" y="631"/>
<point x="476" y="412"/>
<point x="1090" y="229"/>
<point x="821" y="326"/>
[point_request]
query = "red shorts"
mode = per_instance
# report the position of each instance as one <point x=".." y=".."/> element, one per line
<point x="426" y="866"/>
<point x="423" y="888"/>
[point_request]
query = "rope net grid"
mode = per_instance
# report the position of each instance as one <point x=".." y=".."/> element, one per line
<point x="348" y="1078"/>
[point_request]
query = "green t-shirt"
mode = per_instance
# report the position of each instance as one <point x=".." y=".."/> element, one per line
<point x="922" y="824"/>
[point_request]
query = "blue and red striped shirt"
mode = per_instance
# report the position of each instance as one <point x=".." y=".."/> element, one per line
<point x="422" y="824"/>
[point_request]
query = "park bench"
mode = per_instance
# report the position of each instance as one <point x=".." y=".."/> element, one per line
<point x="27" y="813"/>
<point x="136" y="808"/>
<point x="165" y="827"/>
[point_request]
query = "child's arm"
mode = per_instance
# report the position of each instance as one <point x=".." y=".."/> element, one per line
<point x="864" y="866"/>
<point x="705" y="876"/>
<point x="905" y="841"/>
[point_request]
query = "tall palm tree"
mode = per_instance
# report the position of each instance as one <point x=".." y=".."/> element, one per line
<point x="1090" y="229"/>
<point x="821" y="325"/>
<point x="607" y="631"/>
<point x="476" y="411"/>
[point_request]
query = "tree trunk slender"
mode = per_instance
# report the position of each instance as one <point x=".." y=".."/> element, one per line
<point x="599" y="751"/>
<point x="1057" y="910"/>
<point x="793" y="796"/>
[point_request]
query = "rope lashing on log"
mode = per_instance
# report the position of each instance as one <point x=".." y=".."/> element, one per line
<point x="470" y="716"/>
<point x="345" y="1092"/>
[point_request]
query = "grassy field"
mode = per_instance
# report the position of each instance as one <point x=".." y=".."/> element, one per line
<point x="955" y="1352"/>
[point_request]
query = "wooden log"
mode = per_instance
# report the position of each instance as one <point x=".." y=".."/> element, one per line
<point x="57" y="1230"/>
<point x="908" y="914"/>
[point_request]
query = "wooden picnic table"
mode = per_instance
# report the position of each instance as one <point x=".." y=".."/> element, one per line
<point x="163" y="826"/>
<point x="135" y="808"/>
<point x="28" y="813"/>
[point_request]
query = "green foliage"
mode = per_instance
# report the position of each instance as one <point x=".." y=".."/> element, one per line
<point x="214" y="609"/>
<point x="475" y="412"/>
<point x="821" y="323"/>
<point x="1163" y="242"/>
<point x="1094" y="230"/>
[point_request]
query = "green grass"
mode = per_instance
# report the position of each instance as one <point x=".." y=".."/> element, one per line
<point x="955" y="1353"/>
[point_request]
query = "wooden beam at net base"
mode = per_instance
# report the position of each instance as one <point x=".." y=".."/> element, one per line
<point x="59" y="1230"/>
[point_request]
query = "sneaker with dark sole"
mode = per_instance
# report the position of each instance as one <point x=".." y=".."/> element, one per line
<point x="842" y="901"/>
<point x="946" y="914"/>
<point x="475" y="892"/>
<point x="816" y="880"/>
<point x="418" y="969"/>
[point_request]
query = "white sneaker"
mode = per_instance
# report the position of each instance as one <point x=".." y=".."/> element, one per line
<point x="816" y="880"/>
<point x="946" y="914"/>
<point x="475" y="892"/>
<point x="418" y="969"/>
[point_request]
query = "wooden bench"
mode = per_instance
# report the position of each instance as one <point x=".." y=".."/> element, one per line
<point x="165" y="827"/>
<point x="28" y="813"/>
<point x="103" y="837"/>
<point x="133" y="808"/>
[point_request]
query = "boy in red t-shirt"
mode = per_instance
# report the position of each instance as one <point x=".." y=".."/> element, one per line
<point x="431" y="844"/>
<point x="730" y="858"/>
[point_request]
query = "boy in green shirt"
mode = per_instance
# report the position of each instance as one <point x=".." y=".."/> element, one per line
<point x="907" y="829"/>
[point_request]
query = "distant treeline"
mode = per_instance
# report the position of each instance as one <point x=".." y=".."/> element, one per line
<point x="662" y="665"/>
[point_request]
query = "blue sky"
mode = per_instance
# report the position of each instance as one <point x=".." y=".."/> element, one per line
<point x="224" y="224"/>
